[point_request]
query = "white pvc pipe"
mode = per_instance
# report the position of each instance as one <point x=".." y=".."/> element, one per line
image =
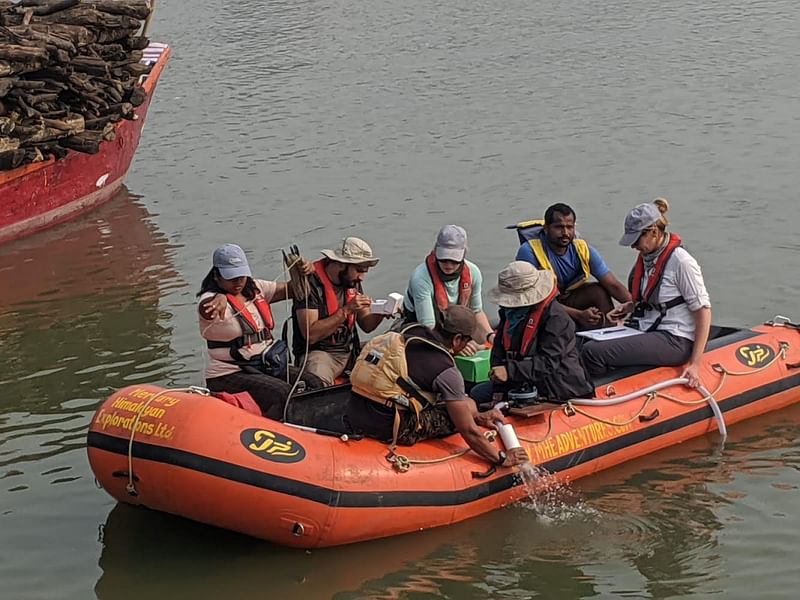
<point x="723" y="430"/>
<point x="508" y="435"/>
<point x="635" y="394"/>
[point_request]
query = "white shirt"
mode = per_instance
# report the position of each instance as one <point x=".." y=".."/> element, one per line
<point x="682" y="277"/>
<point x="228" y="328"/>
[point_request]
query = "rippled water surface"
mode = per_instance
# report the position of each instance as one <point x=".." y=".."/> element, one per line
<point x="302" y="122"/>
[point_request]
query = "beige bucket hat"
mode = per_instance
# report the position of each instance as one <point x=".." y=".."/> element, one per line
<point x="522" y="284"/>
<point x="354" y="251"/>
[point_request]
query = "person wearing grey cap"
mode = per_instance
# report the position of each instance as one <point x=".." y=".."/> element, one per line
<point x="236" y="321"/>
<point x="670" y="304"/>
<point x="553" y="244"/>
<point x="324" y="336"/>
<point x="536" y="346"/>
<point x="446" y="278"/>
<point x="434" y="403"/>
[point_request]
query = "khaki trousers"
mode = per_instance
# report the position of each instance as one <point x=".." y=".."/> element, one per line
<point x="327" y="366"/>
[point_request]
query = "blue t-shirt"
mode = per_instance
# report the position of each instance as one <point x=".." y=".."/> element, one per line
<point x="568" y="267"/>
<point x="419" y="297"/>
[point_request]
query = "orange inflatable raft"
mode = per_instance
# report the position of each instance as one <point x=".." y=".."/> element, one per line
<point x="198" y="457"/>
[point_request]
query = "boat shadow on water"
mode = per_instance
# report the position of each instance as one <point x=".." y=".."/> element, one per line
<point x="660" y="516"/>
<point x="80" y="297"/>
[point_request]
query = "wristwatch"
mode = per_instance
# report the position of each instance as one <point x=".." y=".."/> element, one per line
<point x="501" y="458"/>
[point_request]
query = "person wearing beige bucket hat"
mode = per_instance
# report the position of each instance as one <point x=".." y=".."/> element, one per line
<point x="324" y="324"/>
<point x="535" y="346"/>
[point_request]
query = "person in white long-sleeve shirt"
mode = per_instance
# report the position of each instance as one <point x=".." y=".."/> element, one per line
<point x="670" y="302"/>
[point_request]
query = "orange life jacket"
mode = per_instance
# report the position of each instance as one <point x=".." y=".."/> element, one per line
<point x="252" y="333"/>
<point x="635" y="285"/>
<point x="531" y="327"/>
<point x="248" y="323"/>
<point x="331" y="299"/>
<point x="440" y="292"/>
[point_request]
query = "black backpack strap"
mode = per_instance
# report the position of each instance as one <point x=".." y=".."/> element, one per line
<point x="662" y="310"/>
<point x="412" y="390"/>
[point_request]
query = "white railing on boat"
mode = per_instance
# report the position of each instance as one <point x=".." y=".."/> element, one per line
<point x="153" y="52"/>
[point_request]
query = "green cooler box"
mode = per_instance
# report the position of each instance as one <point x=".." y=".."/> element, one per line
<point x="475" y="369"/>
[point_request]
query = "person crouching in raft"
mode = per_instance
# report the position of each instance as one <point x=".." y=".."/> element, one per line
<point x="535" y="345"/>
<point x="237" y="323"/>
<point x="670" y="302"/>
<point x="446" y="278"/>
<point x="406" y="388"/>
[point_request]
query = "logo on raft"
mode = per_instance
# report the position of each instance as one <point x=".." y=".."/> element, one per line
<point x="754" y="355"/>
<point x="272" y="446"/>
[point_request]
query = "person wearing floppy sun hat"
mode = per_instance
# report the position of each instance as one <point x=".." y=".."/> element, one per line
<point x="670" y="305"/>
<point x="236" y="321"/>
<point x="535" y="344"/>
<point x="336" y="303"/>
<point x="446" y="278"/>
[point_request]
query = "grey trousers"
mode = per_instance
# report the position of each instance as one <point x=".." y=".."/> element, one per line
<point x="654" y="349"/>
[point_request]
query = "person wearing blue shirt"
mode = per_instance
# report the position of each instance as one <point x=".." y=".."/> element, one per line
<point x="553" y="246"/>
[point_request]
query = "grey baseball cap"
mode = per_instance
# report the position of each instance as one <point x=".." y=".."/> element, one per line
<point x="231" y="262"/>
<point x="451" y="243"/>
<point x="638" y="220"/>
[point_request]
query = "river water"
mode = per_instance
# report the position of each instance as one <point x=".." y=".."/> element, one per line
<point x="302" y="122"/>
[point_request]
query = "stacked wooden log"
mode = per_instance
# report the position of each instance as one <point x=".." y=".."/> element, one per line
<point x="69" y="70"/>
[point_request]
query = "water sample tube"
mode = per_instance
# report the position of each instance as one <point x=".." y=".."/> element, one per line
<point x="508" y="435"/>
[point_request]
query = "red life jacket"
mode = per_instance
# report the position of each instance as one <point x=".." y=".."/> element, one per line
<point x="440" y="292"/>
<point x="331" y="299"/>
<point x="248" y="323"/>
<point x="635" y="286"/>
<point x="531" y="327"/>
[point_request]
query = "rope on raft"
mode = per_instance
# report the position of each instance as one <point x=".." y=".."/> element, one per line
<point x="653" y="391"/>
<point x="402" y="463"/>
<point x="192" y="389"/>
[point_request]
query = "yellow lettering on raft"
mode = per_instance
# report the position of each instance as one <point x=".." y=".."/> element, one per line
<point x="166" y="400"/>
<point x="577" y="439"/>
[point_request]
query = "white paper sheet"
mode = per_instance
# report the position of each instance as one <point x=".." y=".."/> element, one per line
<point x="609" y="333"/>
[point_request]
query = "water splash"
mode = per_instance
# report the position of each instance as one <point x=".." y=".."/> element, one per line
<point x="552" y="500"/>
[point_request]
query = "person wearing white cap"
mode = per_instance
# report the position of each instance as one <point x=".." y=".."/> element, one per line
<point x="553" y="244"/>
<point x="446" y="278"/>
<point x="536" y="346"/>
<point x="669" y="304"/>
<point x="236" y="321"/>
<point x="324" y="324"/>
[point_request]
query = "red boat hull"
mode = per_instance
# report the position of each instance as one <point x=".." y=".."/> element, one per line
<point x="39" y="195"/>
